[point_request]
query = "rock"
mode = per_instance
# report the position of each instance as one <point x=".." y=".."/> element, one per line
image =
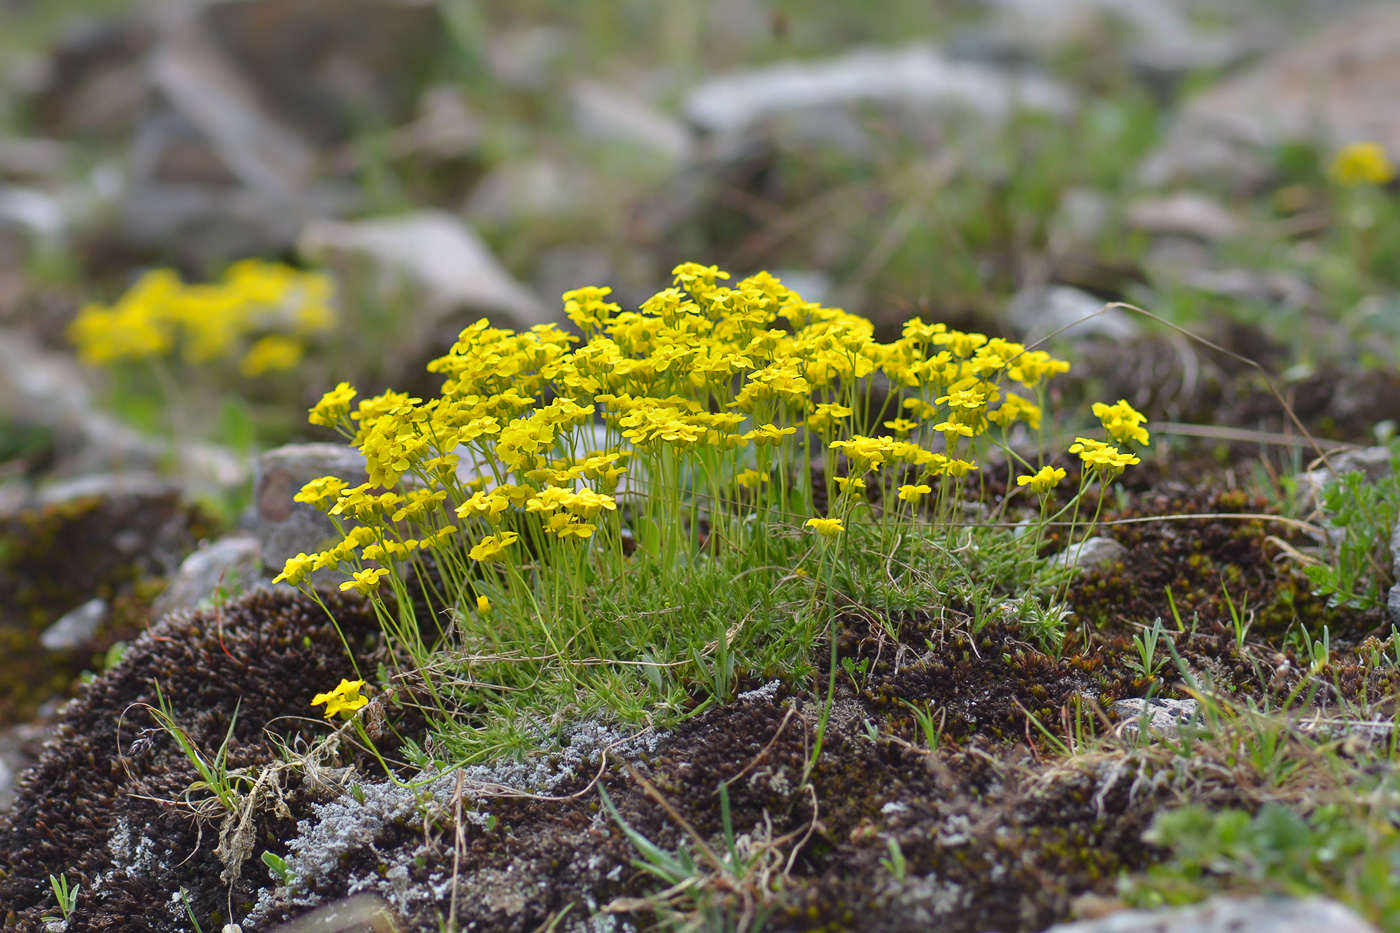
<point x="95" y="86"/>
<point x="532" y="190"/>
<point x="228" y="564"/>
<point x="1222" y="914"/>
<point x="1373" y="462"/>
<point x="1038" y="312"/>
<point x="1164" y="717"/>
<point x="359" y="913"/>
<point x="1392" y="602"/>
<point x="282" y="527"/>
<point x="1090" y="554"/>
<point x="446" y="128"/>
<point x="113" y="486"/>
<point x="326" y="67"/>
<point x="76" y="627"/>
<point x="34" y="159"/>
<point x="605" y="112"/>
<point x="1159" y="36"/>
<point x="1080" y="219"/>
<point x="191" y="71"/>
<point x="33" y="212"/>
<point x="1329" y="89"/>
<point x="1187" y="213"/>
<point x="435" y="251"/>
<point x="524" y="59"/>
<point x="48" y="392"/>
<point x="20" y="746"/>
<point x="814" y="98"/>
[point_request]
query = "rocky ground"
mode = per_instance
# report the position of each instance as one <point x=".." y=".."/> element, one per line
<point x="1015" y="169"/>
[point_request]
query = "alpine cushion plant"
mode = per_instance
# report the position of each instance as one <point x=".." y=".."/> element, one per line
<point x="560" y="484"/>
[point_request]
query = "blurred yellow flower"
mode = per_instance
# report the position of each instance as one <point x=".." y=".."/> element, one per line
<point x="1362" y="164"/>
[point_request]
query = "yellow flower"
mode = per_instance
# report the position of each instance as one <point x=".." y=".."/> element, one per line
<point x="343" y="700"/>
<point x="492" y="547"/>
<point x="912" y="494"/>
<point x="296" y="569"/>
<point x="483" y="605"/>
<point x="333" y="406"/>
<point x="827" y="527"/>
<point x="1362" y="164"/>
<point x="275" y="351"/>
<point x="1101" y="457"/>
<point x="848" y="483"/>
<point x="320" y="491"/>
<point x="1045" y="479"/>
<point x="1122" y="422"/>
<point x="365" y="581"/>
<point x="752" y="478"/>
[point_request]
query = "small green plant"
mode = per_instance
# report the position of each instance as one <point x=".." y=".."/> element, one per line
<point x="278" y="865"/>
<point x="1318" y="650"/>
<point x="895" y="863"/>
<point x="933" y="734"/>
<point x="1365" y="513"/>
<point x="1240" y="617"/>
<point x="1276" y="850"/>
<point x="65" y="894"/>
<point x="1146" y="664"/>
<point x="213" y="772"/>
<point x="189" y="911"/>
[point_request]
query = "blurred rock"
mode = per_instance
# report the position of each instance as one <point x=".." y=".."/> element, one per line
<point x="1187" y="213"/>
<point x="95" y="85"/>
<point x="525" y="59"/>
<point x="282" y="527"/>
<point x="1164" y="717"/>
<point x="75" y="628"/>
<point x="327" y="67"/>
<point x="1158" y="35"/>
<point x="1221" y="914"/>
<point x="1038" y="312"/>
<point x="221" y="103"/>
<point x="1372" y="462"/>
<point x="605" y="112"/>
<point x="811" y="102"/>
<point x="229" y="563"/>
<point x="32" y="212"/>
<point x="533" y="190"/>
<point x="434" y="251"/>
<point x="48" y="392"/>
<point x="445" y="128"/>
<point x="1332" y="88"/>
<point x="1080" y="219"/>
<point x="1090" y="555"/>
<point x="19" y="748"/>
<point x="34" y="159"/>
<point x="359" y="913"/>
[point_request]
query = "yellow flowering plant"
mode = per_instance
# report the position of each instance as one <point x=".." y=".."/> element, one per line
<point x="656" y="447"/>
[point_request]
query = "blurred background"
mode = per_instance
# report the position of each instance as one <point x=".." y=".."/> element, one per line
<point x="398" y="169"/>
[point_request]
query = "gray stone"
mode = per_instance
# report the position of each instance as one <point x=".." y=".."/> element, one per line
<point x="1392" y="602"/>
<point x="1330" y="89"/>
<point x="283" y="527"/>
<point x="1373" y="462"/>
<point x="437" y="253"/>
<point x="228" y="563"/>
<point x="605" y="112"/>
<point x="1164" y="717"/>
<point x="75" y="628"/>
<point x="359" y="913"/>
<point x="1187" y="213"/>
<point x="525" y="58"/>
<point x="106" y="486"/>
<point x="916" y="77"/>
<point x="1080" y="219"/>
<point x="34" y="159"/>
<point x="1222" y="914"/>
<point x="1090" y="554"/>
<point x="532" y="190"/>
<point x="1039" y="312"/>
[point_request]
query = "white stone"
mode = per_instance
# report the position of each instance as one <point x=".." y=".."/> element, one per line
<point x="76" y="627"/>
<point x="1231" y="915"/>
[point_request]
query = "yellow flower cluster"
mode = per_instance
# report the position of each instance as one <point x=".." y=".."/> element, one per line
<point x="1362" y="164"/>
<point x="258" y="314"/>
<point x="705" y="383"/>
